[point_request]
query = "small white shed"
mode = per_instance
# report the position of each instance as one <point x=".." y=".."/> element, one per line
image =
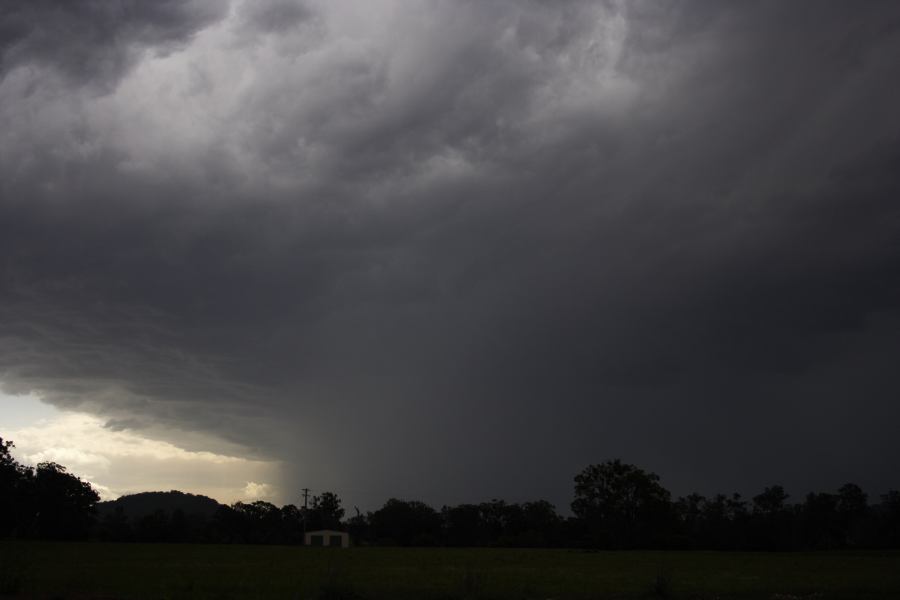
<point x="327" y="538"/>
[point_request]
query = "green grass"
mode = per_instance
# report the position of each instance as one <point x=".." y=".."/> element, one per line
<point x="94" y="570"/>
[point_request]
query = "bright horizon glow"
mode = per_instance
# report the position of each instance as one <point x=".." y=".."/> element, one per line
<point x="117" y="463"/>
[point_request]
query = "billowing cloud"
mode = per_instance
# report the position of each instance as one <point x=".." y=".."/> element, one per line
<point x="257" y="491"/>
<point x="95" y="41"/>
<point x="460" y="250"/>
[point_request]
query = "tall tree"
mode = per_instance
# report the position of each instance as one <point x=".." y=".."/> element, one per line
<point x="463" y="525"/>
<point x="15" y="484"/>
<point x="64" y="504"/>
<point x="326" y="511"/>
<point x="406" y="523"/>
<point x="889" y="519"/>
<point x="819" y="525"/>
<point x="543" y="525"/>
<point x="622" y="506"/>
<point x="772" y="520"/>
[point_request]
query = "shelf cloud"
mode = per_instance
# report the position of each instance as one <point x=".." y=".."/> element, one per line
<point x="459" y="250"/>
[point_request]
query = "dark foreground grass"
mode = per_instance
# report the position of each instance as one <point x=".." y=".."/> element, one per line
<point x="94" y="570"/>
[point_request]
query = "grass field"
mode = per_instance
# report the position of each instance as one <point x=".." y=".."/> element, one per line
<point x="93" y="570"/>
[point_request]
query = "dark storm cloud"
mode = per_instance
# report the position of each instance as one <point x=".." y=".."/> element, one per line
<point x="495" y="241"/>
<point x="276" y="15"/>
<point x="97" y="40"/>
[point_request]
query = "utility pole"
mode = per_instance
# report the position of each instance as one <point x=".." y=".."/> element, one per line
<point x="303" y="513"/>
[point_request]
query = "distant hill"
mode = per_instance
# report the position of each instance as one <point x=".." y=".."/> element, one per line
<point x="137" y="506"/>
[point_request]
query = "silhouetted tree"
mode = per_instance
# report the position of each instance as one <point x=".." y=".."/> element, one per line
<point x="64" y="504"/>
<point x="716" y="523"/>
<point x="770" y="502"/>
<point x="772" y="520"/>
<point x="463" y="525"/>
<point x="622" y="506"/>
<point x="406" y="523"/>
<point x="154" y="527"/>
<point x="888" y="516"/>
<point x="326" y="512"/>
<point x="819" y="524"/>
<point x="692" y="515"/>
<point x="228" y="526"/>
<point x="616" y="505"/>
<point x="116" y="527"/>
<point x="179" y="529"/>
<point x="292" y="524"/>
<point x="541" y="526"/>
<point x="497" y="519"/>
<point x="854" y="518"/>
<point x="16" y="512"/>
<point x="8" y="464"/>
<point x="258" y="522"/>
<point x="359" y="529"/>
<point x="498" y="523"/>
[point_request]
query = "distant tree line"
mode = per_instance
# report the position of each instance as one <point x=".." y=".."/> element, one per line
<point x="615" y="506"/>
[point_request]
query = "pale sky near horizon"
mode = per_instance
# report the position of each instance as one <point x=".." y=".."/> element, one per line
<point x="123" y="462"/>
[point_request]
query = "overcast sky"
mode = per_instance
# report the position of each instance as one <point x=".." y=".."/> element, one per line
<point x="456" y="249"/>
